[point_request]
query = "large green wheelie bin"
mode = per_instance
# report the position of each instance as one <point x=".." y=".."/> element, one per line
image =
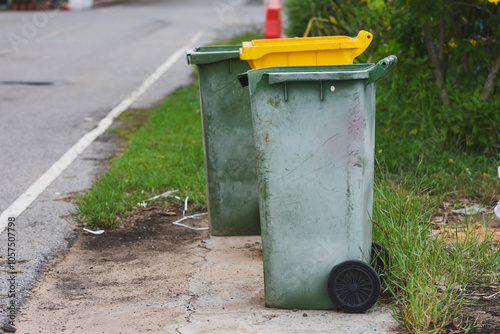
<point x="228" y="145"/>
<point x="314" y="134"/>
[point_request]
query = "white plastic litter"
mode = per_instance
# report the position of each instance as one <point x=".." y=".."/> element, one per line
<point x="472" y="210"/>
<point x="433" y="234"/>
<point x="185" y="206"/>
<point x="497" y="209"/>
<point x="165" y="194"/>
<point x="94" y="232"/>
<point x="177" y="222"/>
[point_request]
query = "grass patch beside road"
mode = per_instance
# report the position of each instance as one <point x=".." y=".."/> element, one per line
<point x="165" y="154"/>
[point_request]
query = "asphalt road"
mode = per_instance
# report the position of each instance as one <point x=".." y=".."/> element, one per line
<point x="60" y="74"/>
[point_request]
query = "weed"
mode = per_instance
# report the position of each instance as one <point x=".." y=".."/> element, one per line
<point x="429" y="274"/>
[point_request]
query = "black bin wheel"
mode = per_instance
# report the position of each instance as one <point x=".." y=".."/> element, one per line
<point x="354" y="286"/>
<point x="380" y="258"/>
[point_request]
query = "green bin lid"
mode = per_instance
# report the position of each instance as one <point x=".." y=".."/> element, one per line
<point x="212" y="54"/>
<point x="371" y="72"/>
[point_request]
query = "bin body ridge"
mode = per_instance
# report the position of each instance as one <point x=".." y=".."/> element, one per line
<point x="315" y="162"/>
<point x="228" y="146"/>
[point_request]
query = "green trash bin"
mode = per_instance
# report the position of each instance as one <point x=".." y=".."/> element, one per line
<point x="228" y="145"/>
<point x="314" y="134"/>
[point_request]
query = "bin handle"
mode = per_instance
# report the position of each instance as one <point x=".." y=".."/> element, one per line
<point x="188" y="56"/>
<point x="382" y="68"/>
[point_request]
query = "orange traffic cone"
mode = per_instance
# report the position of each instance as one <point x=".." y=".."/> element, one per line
<point x="273" y="20"/>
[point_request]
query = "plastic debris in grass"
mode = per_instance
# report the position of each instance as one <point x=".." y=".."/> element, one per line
<point x="94" y="232"/>
<point x="185" y="206"/>
<point x="165" y="194"/>
<point x="178" y="222"/>
<point x="184" y="217"/>
<point x="471" y="210"/>
<point x="497" y="209"/>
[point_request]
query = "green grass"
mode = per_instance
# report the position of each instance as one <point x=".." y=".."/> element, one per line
<point x="165" y="154"/>
<point x="428" y="276"/>
<point x="128" y="123"/>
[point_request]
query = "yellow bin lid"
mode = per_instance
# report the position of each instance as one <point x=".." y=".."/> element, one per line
<point x="328" y="50"/>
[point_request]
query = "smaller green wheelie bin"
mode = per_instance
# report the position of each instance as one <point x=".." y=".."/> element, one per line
<point x="314" y="128"/>
<point x="228" y="145"/>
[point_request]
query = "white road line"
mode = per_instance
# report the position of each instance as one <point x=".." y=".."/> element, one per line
<point x="30" y="195"/>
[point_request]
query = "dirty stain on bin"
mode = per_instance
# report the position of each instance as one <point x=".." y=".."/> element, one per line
<point x="315" y="169"/>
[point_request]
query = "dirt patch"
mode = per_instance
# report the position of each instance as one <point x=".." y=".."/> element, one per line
<point x="149" y="230"/>
<point x="466" y="219"/>
<point x="466" y="213"/>
<point x="121" y="276"/>
<point x="483" y="307"/>
<point x="451" y="223"/>
<point x="476" y="231"/>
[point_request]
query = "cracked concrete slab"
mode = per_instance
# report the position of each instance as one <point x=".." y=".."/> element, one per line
<point x="229" y="298"/>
